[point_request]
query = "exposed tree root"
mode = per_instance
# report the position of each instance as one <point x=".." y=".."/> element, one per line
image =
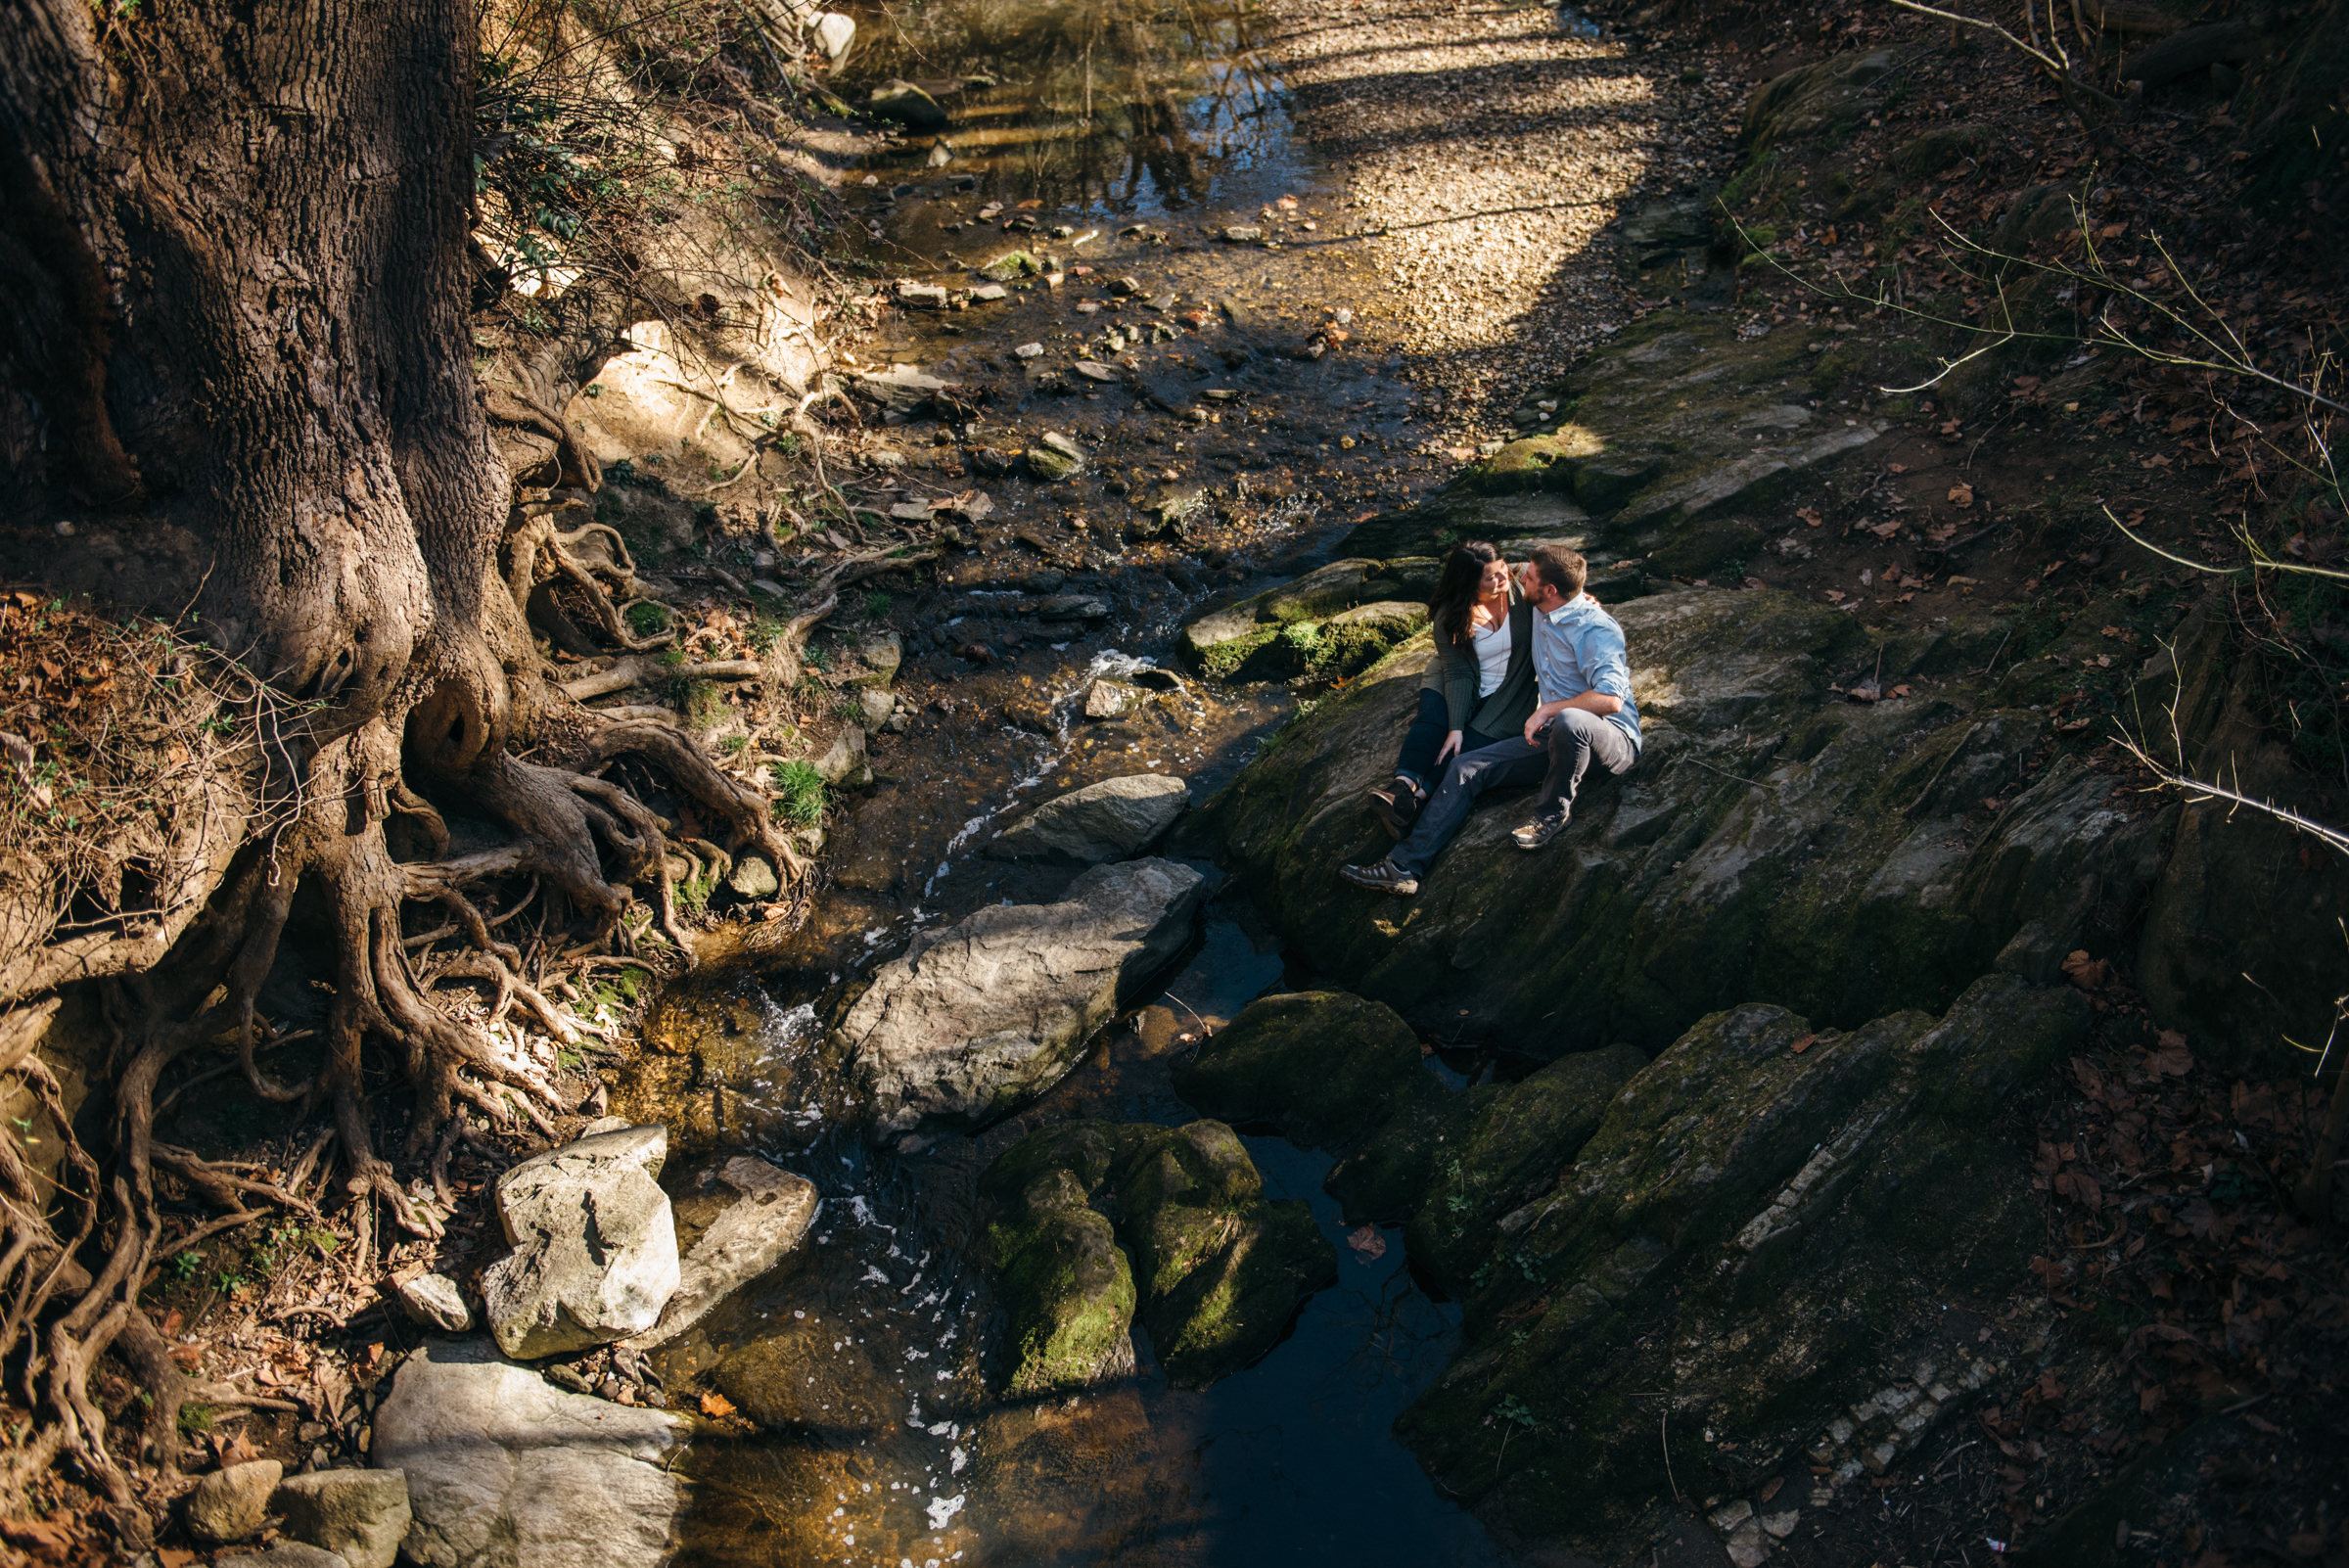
<point x="313" y="828"/>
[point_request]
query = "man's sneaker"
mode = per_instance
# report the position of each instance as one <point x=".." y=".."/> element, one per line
<point x="1395" y="804"/>
<point x="1383" y="877"/>
<point x="1540" y="830"/>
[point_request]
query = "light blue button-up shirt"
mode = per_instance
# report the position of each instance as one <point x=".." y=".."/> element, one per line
<point x="1577" y="648"/>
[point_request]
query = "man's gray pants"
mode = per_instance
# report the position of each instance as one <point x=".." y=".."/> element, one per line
<point x="1564" y="753"/>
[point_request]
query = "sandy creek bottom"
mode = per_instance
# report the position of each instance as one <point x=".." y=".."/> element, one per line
<point x="863" y="1360"/>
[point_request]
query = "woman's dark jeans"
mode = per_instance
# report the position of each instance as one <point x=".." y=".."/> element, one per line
<point x="1418" y="762"/>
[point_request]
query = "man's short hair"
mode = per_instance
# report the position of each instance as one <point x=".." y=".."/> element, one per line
<point x="1563" y="569"/>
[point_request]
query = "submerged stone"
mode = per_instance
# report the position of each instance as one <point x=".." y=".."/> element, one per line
<point x="1218" y="1272"/>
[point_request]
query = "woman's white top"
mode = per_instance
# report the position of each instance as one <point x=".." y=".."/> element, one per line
<point x="1492" y="645"/>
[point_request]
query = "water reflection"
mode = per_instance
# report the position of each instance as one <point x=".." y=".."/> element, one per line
<point x="1107" y="106"/>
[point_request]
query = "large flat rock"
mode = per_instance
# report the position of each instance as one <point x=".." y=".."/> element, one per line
<point x="975" y="1019"/>
<point x="1100" y="821"/>
<point x="507" y="1471"/>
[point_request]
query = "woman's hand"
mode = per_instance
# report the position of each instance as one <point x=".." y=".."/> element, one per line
<point x="1451" y="744"/>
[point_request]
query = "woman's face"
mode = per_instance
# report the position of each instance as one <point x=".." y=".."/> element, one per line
<point x="1494" y="580"/>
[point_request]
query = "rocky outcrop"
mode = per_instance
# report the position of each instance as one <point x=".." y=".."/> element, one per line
<point x="1336" y="1073"/>
<point x="1216" y="1272"/>
<point x="595" y="1247"/>
<point x="1102" y="821"/>
<point x="506" y="1472"/>
<point x="1762" y="1232"/>
<point x="769" y="1214"/>
<point x="1775" y="839"/>
<point x="975" y="1019"/>
<point x="1760" y="1228"/>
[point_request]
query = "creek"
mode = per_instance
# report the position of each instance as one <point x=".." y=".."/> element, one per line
<point x="861" y="1367"/>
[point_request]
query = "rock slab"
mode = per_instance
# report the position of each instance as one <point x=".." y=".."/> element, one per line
<point x="360" y="1515"/>
<point x="975" y="1019"/>
<point x="595" y="1246"/>
<point x="752" y="1237"/>
<point x="506" y="1472"/>
<point x="1102" y="821"/>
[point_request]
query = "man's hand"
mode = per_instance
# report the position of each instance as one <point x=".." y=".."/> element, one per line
<point x="1451" y="744"/>
<point x="1539" y="720"/>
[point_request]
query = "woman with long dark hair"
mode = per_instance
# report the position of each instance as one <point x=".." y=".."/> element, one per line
<point x="1479" y="685"/>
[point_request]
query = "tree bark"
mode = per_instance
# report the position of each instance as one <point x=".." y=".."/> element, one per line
<point x="234" y="367"/>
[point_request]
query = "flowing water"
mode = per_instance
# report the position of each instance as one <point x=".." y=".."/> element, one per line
<point x="859" y="1371"/>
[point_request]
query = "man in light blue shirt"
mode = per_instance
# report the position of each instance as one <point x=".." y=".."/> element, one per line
<point x="1586" y="714"/>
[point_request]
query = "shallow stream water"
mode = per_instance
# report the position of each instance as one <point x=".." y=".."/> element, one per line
<point x="861" y="1368"/>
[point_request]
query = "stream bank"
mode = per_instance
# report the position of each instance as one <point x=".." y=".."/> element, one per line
<point x="849" y="1403"/>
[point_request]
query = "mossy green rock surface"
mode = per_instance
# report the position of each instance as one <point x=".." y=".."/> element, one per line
<point x="1218" y="1271"/>
<point x="1277" y="632"/>
<point x="1520" y="1136"/>
<point x="1223" y="1270"/>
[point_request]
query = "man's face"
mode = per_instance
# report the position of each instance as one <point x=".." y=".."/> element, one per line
<point x="1529" y="581"/>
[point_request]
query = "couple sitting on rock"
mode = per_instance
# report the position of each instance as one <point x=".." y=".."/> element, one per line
<point x="1530" y="681"/>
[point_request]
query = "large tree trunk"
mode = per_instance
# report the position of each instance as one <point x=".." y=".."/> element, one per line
<point x="236" y="379"/>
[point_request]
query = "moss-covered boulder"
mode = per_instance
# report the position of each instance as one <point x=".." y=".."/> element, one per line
<point x="1277" y="632"/>
<point x="1769" y="1216"/>
<point x="1222" y="1271"/>
<point x="1216" y="1271"/>
<point x="1815" y="99"/>
<point x="1065" y="1284"/>
<point x="1536" y="462"/>
<point x="1774" y="840"/>
<point x="1520" y="1136"/>
<point x="1336" y="1073"/>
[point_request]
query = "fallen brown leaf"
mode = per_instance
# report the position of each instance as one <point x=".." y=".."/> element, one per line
<point x="1368" y="1242"/>
<point x="1962" y="493"/>
<point x="1810" y="515"/>
<point x="717" y="1407"/>
<point x="1803" y="1044"/>
<point x="2171" y="1059"/>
